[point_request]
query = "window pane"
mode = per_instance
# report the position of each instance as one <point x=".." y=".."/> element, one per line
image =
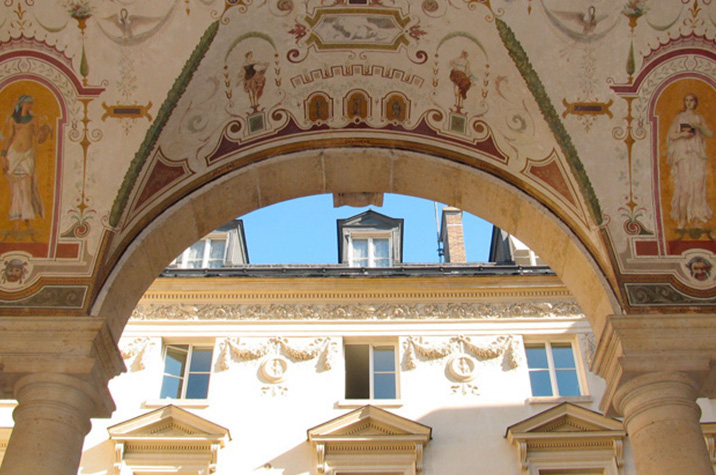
<point x="541" y="385"/>
<point x="360" y="253"/>
<point x="357" y="372"/>
<point x="217" y="249"/>
<point x="381" y="262"/>
<point x="381" y="248"/>
<point x="563" y="356"/>
<point x="175" y="360"/>
<point x="360" y="249"/>
<point x="195" y="252"/>
<point x="384" y="358"/>
<point x="567" y="382"/>
<point x="171" y="388"/>
<point x="536" y="357"/>
<point x="197" y="386"/>
<point x="384" y="386"/>
<point x="200" y="360"/>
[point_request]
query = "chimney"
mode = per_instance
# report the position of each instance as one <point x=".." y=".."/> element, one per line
<point x="451" y="235"/>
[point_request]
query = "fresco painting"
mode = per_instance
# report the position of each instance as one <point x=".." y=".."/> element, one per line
<point x="29" y="113"/>
<point x="686" y="111"/>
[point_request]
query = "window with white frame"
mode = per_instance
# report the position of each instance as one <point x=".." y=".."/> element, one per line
<point x="187" y="369"/>
<point x="553" y="369"/>
<point x="209" y="253"/>
<point x="371" y="371"/>
<point x="369" y="250"/>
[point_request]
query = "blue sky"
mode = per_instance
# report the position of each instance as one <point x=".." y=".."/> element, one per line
<point x="303" y="231"/>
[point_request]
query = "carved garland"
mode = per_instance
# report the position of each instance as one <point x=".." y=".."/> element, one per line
<point x="325" y="348"/>
<point x="503" y="345"/>
<point x="136" y="348"/>
<point x="458" y="311"/>
<point x="589" y="344"/>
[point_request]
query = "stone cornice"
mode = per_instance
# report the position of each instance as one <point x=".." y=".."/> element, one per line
<point x="357" y="289"/>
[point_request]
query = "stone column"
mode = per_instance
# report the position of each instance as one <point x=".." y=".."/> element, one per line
<point x="51" y="421"/>
<point x="662" y="419"/>
<point x="655" y="367"/>
<point x="57" y="368"/>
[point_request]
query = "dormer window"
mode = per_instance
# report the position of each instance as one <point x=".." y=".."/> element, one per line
<point x="225" y="247"/>
<point x="370" y="239"/>
<point x="204" y="254"/>
<point x="369" y="250"/>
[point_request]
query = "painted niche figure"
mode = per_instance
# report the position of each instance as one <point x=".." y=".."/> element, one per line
<point x="686" y="154"/>
<point x="18" y="162"/>
<point x="254" y="76"/>
<point x="461" y="77"/>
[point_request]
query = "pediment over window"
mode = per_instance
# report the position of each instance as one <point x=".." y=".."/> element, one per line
<point x="168" y="435"/>
<point x="565" y="431"/>
<point x="390" y="441"/>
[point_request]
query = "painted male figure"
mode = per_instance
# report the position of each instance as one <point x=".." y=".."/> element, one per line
<point x="18" y="162"/>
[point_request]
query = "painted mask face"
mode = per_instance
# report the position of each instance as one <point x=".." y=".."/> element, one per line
<point x="14" y="271"/>
<point x="700" y="269"/>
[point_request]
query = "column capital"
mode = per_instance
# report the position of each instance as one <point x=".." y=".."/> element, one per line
<point x="632" y="346"/>
<point x="78" y="347"/>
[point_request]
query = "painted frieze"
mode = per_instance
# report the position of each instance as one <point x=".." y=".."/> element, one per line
<point x="600" y="111"/>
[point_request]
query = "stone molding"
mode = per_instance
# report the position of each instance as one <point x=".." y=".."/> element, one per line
<point x="504" y="345"/>
<point x="135" y="350"/>
<point x="359" y="289"/>
<point x="634" y="345"/>
<point x="81" y="347"/>
<point x="322" y="348"/>
<point x="589" y="344"/>
<point x="168" y="436"/>
<point x="548" y="437"/>
<point x="369" y="437"/>
<point x="274" y="367"/>
<point x="358" y="311"/>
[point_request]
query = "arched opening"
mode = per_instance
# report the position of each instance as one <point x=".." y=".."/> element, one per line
<point x="343" y="170"/>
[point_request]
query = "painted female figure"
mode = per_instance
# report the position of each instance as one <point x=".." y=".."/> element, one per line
<point x="686" y="154"/>
<point x="18" y="162"/>
<point x="254" y="76"/>
<point x="461" y="77"/>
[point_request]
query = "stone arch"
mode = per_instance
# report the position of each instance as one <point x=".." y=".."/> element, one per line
<point x="352" y="170"/>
